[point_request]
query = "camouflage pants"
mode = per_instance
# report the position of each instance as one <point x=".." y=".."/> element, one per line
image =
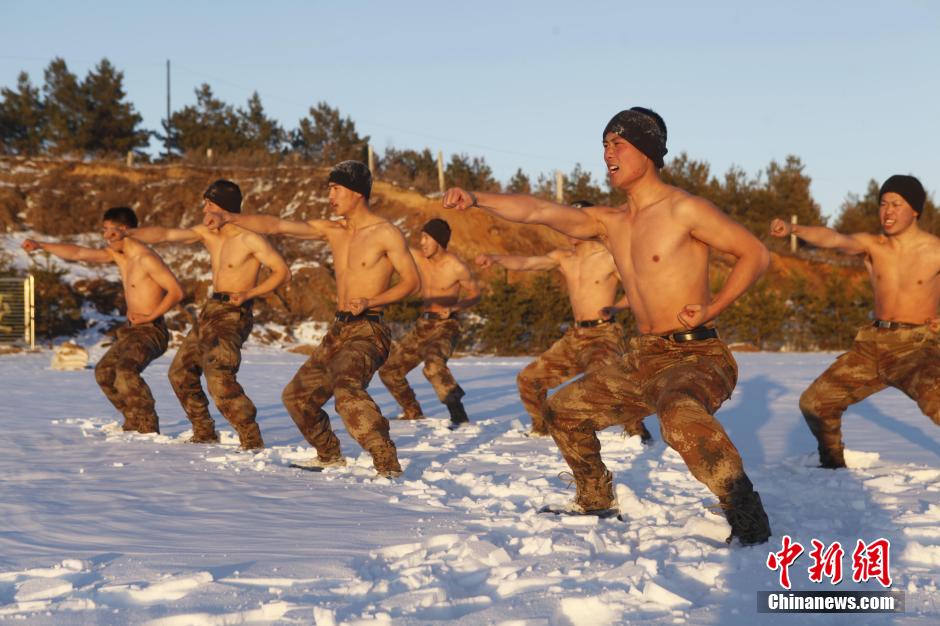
<point x="578" y="351"/>
<point x="431" y="341"/>
<point x="342" y="366"/>
<point x="213" y="348"/>
<point x="905" y="358"/>
<point x="684" y="383"/>
<point x="118" y="373"/>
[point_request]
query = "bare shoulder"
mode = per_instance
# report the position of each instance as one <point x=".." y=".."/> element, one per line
<point x="602" y="213"/>
<point x="202" y="230"/>
<point x="687" y="206"/>
<point x="932" y="246"/>
<point x="867" y="239"/>
<point x="390" y="234"/>
<point x="251" y="239"/>
<point x="458" y="265"/>
<point x="327" y="226"/>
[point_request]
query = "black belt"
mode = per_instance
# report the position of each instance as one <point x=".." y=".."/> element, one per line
<point x="593" y="323"/>
<point x="349" y="316"/>
<point x="893" y="325"/>
<point x="227" y="298"/>
<point x="431" y="315"/>
<point x="695" y="334"/>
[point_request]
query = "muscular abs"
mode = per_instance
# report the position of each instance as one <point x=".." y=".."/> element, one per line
<point x="663" y="267"/>
<point x="360" y="259"/>
<point x="440" y="286"/>
<point x="234" y="267"/>
<point x="141" y="292"/>
<point x="906" y="283"/>
<point x="592" y="283"/>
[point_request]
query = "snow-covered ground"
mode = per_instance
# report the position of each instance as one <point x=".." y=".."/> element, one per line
<point x="103" y="527"/>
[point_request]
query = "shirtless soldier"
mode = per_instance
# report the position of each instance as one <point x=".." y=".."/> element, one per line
<point x="677" y="367"/>
<point x="594" y="340"/>
<point x="902" y="347"/>
<point x="437" y="331"/>
<point x="213" y="346"/>
<point x="150" y="290"/>
<point x="367" y="249"/>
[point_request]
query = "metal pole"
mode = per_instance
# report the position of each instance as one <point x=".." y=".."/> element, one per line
<point x="792" y="236"/>
<point x="167" y="139"/>
<point x="29" y="299"/>
<point x="440" y="170"/>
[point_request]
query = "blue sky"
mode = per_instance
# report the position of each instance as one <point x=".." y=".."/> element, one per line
<point x="850" y="87"/>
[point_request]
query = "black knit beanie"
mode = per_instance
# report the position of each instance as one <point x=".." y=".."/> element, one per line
<point x="643" y="130"/>
<point x="439" y="231"/>
<point x="908" y="188"/>
<point x="225" y="194"/>
<point x="353" y="175"/>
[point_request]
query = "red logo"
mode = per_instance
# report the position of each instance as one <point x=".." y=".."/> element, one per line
<point x="869" y="561"/>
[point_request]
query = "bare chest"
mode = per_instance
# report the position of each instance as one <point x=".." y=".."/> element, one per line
<point x="651" y="245"/>
<point x="228" y="253"/>
<point x="358" y="251"/>
<point x="910" y="270"/>
<point x="590" y="271"/>
<point x="435" y="279"/>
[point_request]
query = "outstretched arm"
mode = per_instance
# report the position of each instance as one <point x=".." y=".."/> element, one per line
<point x="517" y="263"/>
<point x="819" y="236"/>
<point x="272" y="225"/>
<point x="527" y="210"/>
<point x="69" y="252"/>
<point x="159" y="234"/>
<point x="715" y="229"/>
<point x="161" y="274"/>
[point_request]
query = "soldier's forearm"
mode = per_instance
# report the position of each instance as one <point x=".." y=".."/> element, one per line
<point x="745" y="273"/>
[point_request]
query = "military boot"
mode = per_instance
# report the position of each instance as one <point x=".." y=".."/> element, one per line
<point x="745" y="512"/>
<point x="249" y="435"/>
<point x="832" y="458"/>
<point x="412" y="413"/>
<point x="595" y="493"/>
<point x="458" y="415"/>
<point x="204" y="432"/>
<point x="385" y="459"/>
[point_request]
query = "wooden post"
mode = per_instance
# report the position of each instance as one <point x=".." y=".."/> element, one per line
<point x="559" y="187"/>
<point x="440" y="170"/>
<point x="792" y="236"/>
<point x="208" y="154"/>
<point x="371" y="161"/>
<point x="130" y="158"/>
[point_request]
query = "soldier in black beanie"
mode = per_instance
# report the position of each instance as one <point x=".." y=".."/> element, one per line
<point x="901" y="348"/>
<point x="447" y="288"/>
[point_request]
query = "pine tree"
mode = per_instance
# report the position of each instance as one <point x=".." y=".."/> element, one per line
<point x="519" y="183"/>
<point x="22" y="118"/>
<point x="261" y="133"/>
<point x="470" y="173"/>
<point x="409" y="168"/>
<point x="579" y="185"/>
<point x="325" y="137"/>
<point x="109" y="124"/>
<point x="211" y="123"/>
<point x="65" y="109"/>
